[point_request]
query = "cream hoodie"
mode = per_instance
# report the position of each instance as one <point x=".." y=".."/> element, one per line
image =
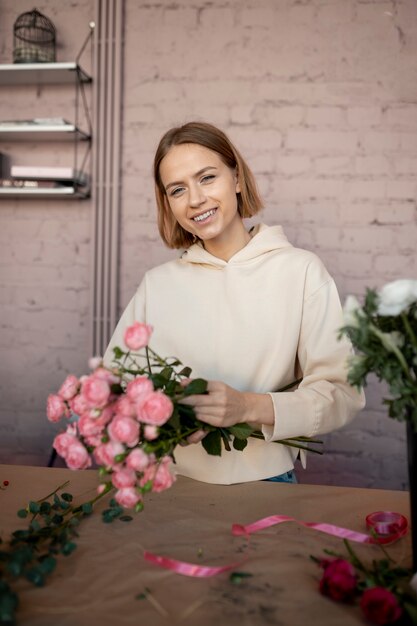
<point x="257" y="322"/>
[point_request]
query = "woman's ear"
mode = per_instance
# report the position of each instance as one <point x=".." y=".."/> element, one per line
<point x="238" y="190"/>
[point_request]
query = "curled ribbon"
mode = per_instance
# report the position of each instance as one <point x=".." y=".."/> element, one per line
<point x="387" y="525"/>
<point x="188" y="569"/>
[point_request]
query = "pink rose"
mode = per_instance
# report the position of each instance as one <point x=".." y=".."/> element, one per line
<point x="150" y="432"/>
<point x="156" y="409"/>
<point x="93" y="440"/>
<point x="124" y="430"/>
<point x="139" y="388"/>
<point x="62" y="442"/>
<point x="76" y="456"/>
<point x="159" y="474"/>
<point x="56" y="408"/>
<point x="125" y="407"/>
<point x="339" y="580"/>
<point x="104" y="374"/>
<point x="128" y="497"/>
<point x="137" y="336"/>
<point x="124" y="477"/>
<point x="79" y="405"/>
<point x="137" y="460"/>
<point x="89" y="426"/>
<point x="104" y="454"/>
<point x="95" y="391"/>
<point x="380" y="606"/>
<point x="69" y="387"/>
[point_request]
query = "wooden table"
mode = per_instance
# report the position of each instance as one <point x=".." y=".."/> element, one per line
<point x="99" y="583"/>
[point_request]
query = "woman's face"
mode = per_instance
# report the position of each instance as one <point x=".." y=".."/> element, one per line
<point x="201" y="192"/>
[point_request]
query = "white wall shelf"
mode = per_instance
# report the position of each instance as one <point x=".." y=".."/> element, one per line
<point x="44" y="192"/>
<point x="20" y="132"/>
<point x="42" y="73"/>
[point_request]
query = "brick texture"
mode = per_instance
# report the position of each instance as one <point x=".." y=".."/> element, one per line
<point x="320" y="98"/>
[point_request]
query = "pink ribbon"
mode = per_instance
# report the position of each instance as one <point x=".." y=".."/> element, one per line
<point x="387" y="525"/>
<point x="188" y="569"/>
<point x="329" y="529"/>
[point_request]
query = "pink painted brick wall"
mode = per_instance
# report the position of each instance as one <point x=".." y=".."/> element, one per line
<point x="44" y="254"/>
<point x="320" y="97"/>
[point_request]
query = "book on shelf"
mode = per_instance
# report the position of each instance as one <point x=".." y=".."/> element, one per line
<point x="12" y="183"/>
<point x="4" y="165"/>
<point x="60" y="174"/>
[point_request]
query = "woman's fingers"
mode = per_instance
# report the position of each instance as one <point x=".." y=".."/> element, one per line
<point x="197" y="436"/>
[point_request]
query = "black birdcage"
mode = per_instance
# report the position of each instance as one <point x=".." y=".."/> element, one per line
<point x="34" y="38"/>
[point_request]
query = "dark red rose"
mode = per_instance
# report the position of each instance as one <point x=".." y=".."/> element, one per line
<point x="380" y="606"/>
<point x="339" y="580"/>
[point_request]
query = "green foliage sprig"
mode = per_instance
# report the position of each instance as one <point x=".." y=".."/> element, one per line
<point x="32" y="553"/>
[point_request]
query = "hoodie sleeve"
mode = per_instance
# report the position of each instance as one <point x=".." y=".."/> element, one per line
<point x="134" y="312"/>
<point x="324" y="400"/>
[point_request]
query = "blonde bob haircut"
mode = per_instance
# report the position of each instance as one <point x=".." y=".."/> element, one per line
<point x="208" y="136"/>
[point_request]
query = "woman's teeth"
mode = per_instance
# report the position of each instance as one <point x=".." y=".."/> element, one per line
<point x="204" y="216"/>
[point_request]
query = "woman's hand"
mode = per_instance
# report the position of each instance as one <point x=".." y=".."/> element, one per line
<point x="224" y="406"/>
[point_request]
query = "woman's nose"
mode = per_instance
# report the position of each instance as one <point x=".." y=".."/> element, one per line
<point x="196" y="197"/>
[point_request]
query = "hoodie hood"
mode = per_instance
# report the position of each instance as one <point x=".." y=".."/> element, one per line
<point x="264" y="239"/>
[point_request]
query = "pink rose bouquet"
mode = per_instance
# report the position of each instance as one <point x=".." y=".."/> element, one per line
<point x="128" y="420"/>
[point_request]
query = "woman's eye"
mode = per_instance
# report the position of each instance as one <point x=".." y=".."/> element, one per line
<point x="177" y="191"/>
<point x="208" y="178"/>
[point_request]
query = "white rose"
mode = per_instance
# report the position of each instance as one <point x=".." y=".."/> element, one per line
<point x="397" y="296"/>
<point x="351" y="310"/>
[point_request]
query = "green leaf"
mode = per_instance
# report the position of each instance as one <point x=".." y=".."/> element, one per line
<point x="126" y="518"/>
<point x="212" y="443"/>
<point x="239" y="444"/>
<point x="47" y="565"/>
<point x="34" y="507"/>
<point x="45" y="508"/>
<point x="87" y="508"/>
<point x="8" y="605"/>
<point x="34" y="526"/>
<point x="241" y="431"/>
<point x="118" y="353"/>
<point x="36" y="577"/>
<point x="57" y="501"/>
<point x="186" y="372"/>
<point x="68" y="547"/>
<point x="238" y="577"/>
<point x="14" y="567"/>
<point x="67" y="497"/>
<point x="22" y="513"/>
<point x="166" y="372"/>
<point x="196" y="386"/>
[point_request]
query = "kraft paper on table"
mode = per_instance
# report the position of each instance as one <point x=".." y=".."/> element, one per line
<point x="100" y="581"/>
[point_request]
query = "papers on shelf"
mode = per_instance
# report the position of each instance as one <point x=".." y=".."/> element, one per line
<point x="11" y="183"/>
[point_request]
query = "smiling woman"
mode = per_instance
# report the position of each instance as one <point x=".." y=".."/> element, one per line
<point x="245" y="309"/>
